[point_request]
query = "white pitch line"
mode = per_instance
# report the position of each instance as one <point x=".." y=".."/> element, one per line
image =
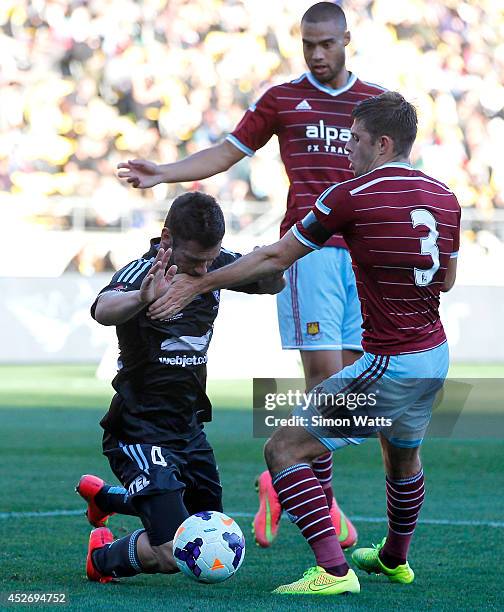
<point x="356" y="518"/>
<point x="379" y="519"/>
<point x="12" y="515"/>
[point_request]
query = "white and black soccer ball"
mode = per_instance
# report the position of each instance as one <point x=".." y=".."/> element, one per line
<point x="209" y="547"/>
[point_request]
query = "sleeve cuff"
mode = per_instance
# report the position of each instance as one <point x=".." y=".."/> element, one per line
<point x="308" y="243"/>
<point x="454" y="255"/>
<point x="322" y="207"/>
<point x="239" y="145"/>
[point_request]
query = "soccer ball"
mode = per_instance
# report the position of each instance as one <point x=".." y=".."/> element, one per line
<point x="209" y="547"/>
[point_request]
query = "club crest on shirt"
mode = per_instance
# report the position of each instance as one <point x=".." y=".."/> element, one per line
<point x="313" y="328"/>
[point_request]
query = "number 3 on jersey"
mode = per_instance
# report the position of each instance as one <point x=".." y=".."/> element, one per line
<point x="428" y="245"/>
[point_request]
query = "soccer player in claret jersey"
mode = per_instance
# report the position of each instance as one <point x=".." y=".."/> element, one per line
<point x="154" y="437"/>
<point x="402" y="229"/>
<point x="311" y="116"/>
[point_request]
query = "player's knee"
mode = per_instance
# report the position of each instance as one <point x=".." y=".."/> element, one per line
<point x="400" y="462"/>
<point x="164" y="560"/>
<point x="279" y="453"/>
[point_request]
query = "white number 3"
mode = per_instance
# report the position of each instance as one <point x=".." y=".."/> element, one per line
<point x="428" y="245"/>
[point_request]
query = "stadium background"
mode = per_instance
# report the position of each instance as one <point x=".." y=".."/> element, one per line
<point x="85" y="84"/>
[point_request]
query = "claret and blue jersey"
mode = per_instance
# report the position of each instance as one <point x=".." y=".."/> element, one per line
<point x="312" y="122"/>
<point x="402" y="227"/>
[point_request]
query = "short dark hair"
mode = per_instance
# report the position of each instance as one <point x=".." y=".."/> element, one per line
<point x="389" y="114"/>
<point x="196" y="216"/>
<point x="325" y="11"/>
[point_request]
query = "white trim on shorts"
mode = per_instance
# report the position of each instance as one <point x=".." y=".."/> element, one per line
<point x="311" y="347"/>
<point x="324" y="347"/>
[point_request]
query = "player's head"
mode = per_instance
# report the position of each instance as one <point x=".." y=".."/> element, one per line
<point x="384" y="130"/>
<point x="194" y="228"/>
<point x="325" y="36"/>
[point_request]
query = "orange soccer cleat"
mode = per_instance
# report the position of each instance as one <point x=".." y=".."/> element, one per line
<point x="97" y="539"/>
<point x="267" y="518"/>
<point x="346" y="532"/>
<point x="87" y="488"/>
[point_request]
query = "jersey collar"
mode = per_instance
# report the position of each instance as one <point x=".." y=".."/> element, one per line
<point x="396" y="165"/>
<point x="332" y="92"/>
<point x="153" y="248"/>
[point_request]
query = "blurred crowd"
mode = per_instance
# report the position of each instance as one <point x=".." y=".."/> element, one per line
<point x="85" y="84"/>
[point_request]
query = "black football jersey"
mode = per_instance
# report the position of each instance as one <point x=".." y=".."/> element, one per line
<point x="161" y="378"/>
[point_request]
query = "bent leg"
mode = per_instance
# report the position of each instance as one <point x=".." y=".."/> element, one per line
<point x="288" y="454"/>
<point x="148" y="550"/>
<point x="201" y="477"/>
<point x="156" y="559"/>
<point x="312" y="315"/>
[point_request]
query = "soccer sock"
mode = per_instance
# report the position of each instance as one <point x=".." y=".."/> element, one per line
<point x="120" y="558"/>
<point x="304" y="500"/>
<point x="322" y="468"/>
<point x="115" y="499"/>
<point x="405" y="497"/>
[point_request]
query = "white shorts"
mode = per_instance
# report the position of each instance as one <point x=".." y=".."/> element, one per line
<point x="319" y="309"/>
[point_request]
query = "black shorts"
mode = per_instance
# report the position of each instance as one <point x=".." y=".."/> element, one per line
<point x="166" y="484"/>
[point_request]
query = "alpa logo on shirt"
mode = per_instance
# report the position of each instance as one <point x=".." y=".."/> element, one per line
<point x="329" y="134"/>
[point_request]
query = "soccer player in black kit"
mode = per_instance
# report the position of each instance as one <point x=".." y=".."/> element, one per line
<point x="154" y="437"/>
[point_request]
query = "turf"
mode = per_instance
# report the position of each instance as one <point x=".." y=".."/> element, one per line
<point x="49" y="436"/>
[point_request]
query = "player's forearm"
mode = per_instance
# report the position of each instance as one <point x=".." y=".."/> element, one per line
<point x="272" y="284"/>
<point x="115" y="308"/>
<point x="253" y="267"/>
<point x="266" y="261"/>
<point x="202" y="164"/>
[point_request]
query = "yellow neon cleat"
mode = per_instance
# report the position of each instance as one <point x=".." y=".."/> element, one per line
<point x="316" y="581"/>
<point x="368" y="559"/>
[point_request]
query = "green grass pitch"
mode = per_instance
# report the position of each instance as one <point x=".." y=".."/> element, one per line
<point x="49" y="436"/>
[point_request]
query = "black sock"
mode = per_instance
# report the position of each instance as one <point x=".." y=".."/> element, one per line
<point x="115" y="499"/>
<point x="120" y="558"/>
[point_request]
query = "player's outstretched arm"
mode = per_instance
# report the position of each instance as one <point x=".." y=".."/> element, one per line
<point x="142" y="173"/>
<point x="115" y="307"/>
<point x="272" y="284"/>
<point x="263" y="262"/>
